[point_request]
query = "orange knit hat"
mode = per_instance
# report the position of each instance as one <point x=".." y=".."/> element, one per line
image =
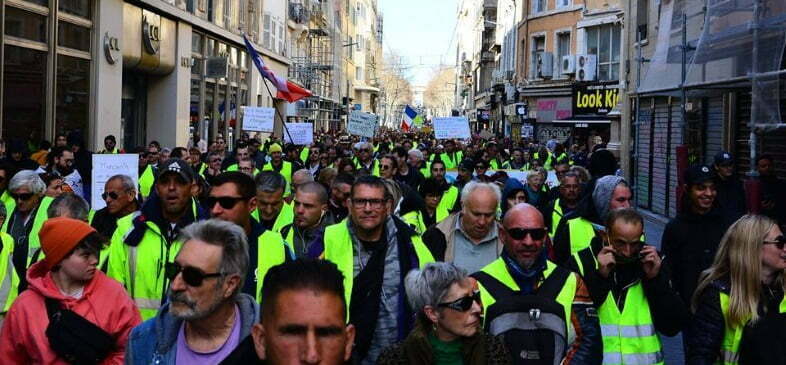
<point x="59" y="236"/>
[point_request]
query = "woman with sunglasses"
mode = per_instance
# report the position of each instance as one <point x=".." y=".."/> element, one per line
<point x="739" y="303"/>
<point x="448" y="327"/>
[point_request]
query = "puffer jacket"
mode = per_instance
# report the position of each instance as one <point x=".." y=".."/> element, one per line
<point x="104" y="302"/>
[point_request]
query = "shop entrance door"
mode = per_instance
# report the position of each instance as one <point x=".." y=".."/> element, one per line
<point x="134" y="110"/>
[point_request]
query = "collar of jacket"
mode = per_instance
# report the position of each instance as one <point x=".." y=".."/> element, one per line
<point x="167" y="326"/>
<point x="151" y="212"/>
<point x="418" y="350"/>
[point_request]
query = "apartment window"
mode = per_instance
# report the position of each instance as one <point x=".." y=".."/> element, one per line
<point x="604" y="41"/>
<point x="360" y="41"/>
<point x="538" y="45"/>
<point x="359" y="73"/>
<point x="642" y="14"/>
<point x="539" y="6"/>
<point x="563" y="3"/>
<point x="563" y="49"/>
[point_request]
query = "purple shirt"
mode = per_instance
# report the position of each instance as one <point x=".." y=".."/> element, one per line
<point x="185" y="355"/>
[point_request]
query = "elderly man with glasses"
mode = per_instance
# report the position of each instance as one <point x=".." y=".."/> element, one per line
<point x="365" y="159"/>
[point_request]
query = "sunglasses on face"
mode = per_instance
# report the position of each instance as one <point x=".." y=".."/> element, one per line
<point x="779" y="242"/>
<point x="537" y="234"/>
<point x="226" y="202"/>
<point x="462" y="304"/>
<point x="191" y="275"/>
<point x="384" y="167"/>
<point x="22" y="197"/>
<point x="110" y="194"/>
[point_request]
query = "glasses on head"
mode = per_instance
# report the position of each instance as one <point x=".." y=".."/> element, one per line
<point x="779" y="242"/>
<point x="537" y="234"/>
<point x="110" y="194"/>
<point x="191" y="275"/>
<point x="226" y="202"/>
<point x="462" y="304"/>
<point x="22" y="197"/>
<point x="373" y="203"/>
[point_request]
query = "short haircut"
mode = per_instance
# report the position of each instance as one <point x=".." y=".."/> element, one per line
<point x="243" y="183"/>
<point x="302" y="274"/>
<point x="374" y="182"/>
<point x="417" y="153"/>
<point x="428" y="287"/>
<point x="125" y="181"/>
<point x="27" y="178"/>
<point x="475" y="185"/>
<point x="437" y="161"/>
<point x="400" y="152"/>
<point x="627" y="215"/>
<point x="230" y="237"/>
<point x="194" y="151"/>
<point x="313" y="187"/>
<point x="70" y="205"/>
<point x="270" y="182"/>
<point x="431" y="186"/>
<point x="533" y="173"/>
<point x="344" y="178"/>
<point x="304" y="174"/>
<point x="571" y="174"/>
<point x="178" y="152"/>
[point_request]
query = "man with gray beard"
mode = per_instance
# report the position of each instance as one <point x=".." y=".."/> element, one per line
<point x="206" y="316"/>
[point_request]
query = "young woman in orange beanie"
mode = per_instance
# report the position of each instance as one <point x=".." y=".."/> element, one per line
<point x="67" y="280"/>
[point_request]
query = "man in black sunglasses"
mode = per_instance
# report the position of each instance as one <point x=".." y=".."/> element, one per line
<point x="120" y="198"/>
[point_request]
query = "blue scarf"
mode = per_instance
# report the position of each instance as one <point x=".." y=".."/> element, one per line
<point x="526" y="279"/>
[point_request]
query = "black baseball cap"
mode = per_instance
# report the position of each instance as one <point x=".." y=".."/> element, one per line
<point x="723" y="158"/>
<point x="467" y="164"/>
<point x="178" y="166"/>
<point x="698" y="174"/>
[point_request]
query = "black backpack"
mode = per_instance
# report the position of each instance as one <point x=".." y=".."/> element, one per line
<point x="533" y="327"/>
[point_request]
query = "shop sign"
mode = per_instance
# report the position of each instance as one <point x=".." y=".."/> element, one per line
<point x="151" y="35"/>
<point x="484" y="115"/>
<point x="111" y="48"/>
<point x="595" y="99"/>
<point x="550" y="109"/>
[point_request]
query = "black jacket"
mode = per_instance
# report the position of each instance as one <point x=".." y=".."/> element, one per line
<point x="244" y="353"/>
<point x="731" y="198"/>
<point x="689" y="243"/>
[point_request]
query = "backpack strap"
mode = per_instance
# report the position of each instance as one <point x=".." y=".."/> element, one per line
<point x="554" y="283"/>
<point x="493" y="285"/>
<point x="52" y="307"/>
<point x="36" y="254"/>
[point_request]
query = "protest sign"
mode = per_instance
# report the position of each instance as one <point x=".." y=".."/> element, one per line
<point x="106" y="166"/>
<point x="362" y="124"/>
<point x="302" y="134"/>
<point x="451" y="127"/>
<point x="258" y="119"/>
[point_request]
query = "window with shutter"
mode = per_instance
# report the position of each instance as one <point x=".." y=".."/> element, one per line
<point x="266" y="30"/>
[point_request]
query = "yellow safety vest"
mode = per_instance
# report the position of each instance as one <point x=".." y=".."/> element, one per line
<point x="448" y="200"/>
<point x="269" y="254"/>
<point x="629" y="336"/>
<point x="415" y="220"/>
<point x="286" y="171"/>
<point x="581" y="234"/>
<point x="374" y="167"/>
<point x="732" y="335"/>
<point x="146" y="182"/>
<point x="452" y="163"/>
<point x="556" y="216"/>
<point x="285" y="216"/>
<point x="33" y="241"/>
<point x="9" y="280"/>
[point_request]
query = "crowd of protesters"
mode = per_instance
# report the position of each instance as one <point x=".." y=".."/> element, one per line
<point x="400" y="249"/>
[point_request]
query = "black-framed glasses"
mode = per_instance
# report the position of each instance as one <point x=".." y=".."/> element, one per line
<point x="374" y="203"/>
<point x="462" y="304"/>
<point x="779" y="242"/>
<point x="537" y="234"/>
<point x="191" y="275"/>
<point x="226" y="202"/>
<point x="22" y="197"/>
<point x="384" y="167"/>
<point x="110" y="194"/>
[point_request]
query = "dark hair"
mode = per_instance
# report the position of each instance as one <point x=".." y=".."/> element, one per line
<point x="344" y="178"/>
<point x="371" y="181"/>
<point x="289" y="148"/>
<point x="243" y="183"/>
<point x="178" y="152"/>
<point x="56" y="152"/>
<point x="764" y="157"/>
<point x="110" y="137"/>
<point x="431" y="186"/>
<point x="300" y="274"/>
<point x="627" y="215"/>
<point x="44" y="145"/>
<point x="437" y="161"/>
<point x="401" y="152"/>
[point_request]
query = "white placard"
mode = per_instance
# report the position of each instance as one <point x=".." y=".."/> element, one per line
<point x="362" y="124"/>
<point x="551" y="180"/>
<point x="106" y="166"/>
<point x="258" y="119"/>
<point x="302" y="134"/>
<point x="451" y="127"/>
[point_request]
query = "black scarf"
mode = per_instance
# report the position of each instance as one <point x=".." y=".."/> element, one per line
<point x="366" y="297"/>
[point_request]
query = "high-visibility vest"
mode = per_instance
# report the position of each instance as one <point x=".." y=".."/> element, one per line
<point x="271" y="251"/>
<point x="374" y="167"/>
<point x="286" y="171"/>
<point x="112" y="152"/>
<point x="415" y="219"/>
<point x="235" y="167"/>
<point x="140" y="268"/>
<point x="452" y="163"/>
<point x="33" y="241"/>
<point x="285" y="216"/>
<point x="9" y="202"/>
<point x="338" y="248"/>
<point x="9" y="280"/>
<point x="732" y="335"/>
<point x="304" y="153"/>
<point x="498" y="270"/>
<point x="547" y="163"/>
<point x="146" y="182"/>
<point x="426" y="170"/>
<point x="448" y="200"/>
<point x="581" y="233"/>
<point x="494" y="165"/>
<point x="556" y="216"/>
<point x="629" y="336"/>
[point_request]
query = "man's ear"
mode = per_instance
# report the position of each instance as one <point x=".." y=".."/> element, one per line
<point x="350" y="341"/>
<point x="252" y="204"/>
<point x="258" y="337"/>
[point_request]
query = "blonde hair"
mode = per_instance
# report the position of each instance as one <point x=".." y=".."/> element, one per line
<point x="739" y="258"/>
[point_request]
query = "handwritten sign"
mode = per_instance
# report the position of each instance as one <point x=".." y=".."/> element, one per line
<point x="362" y="124"/>
<point x="106" y="166"/>
<point x="451" y="127"/>
<point x="302" y="134"/>
<point x="258" y="119"/>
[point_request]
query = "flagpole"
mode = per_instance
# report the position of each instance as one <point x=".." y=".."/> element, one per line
<point x="283" y="121"/>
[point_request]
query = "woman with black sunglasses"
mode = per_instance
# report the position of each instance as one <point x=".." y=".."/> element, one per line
<point x="739" y="305"/>
<point x="448" y="328"/>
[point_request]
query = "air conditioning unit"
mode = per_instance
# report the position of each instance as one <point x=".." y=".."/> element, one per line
<point x="544" y="65"/>
<point x="568" y="65"/>
<point x="586" y="67"/>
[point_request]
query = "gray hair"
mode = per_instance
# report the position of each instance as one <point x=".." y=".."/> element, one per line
<point x="417" y="153"/>
<point x="125" y="181"/>
<point x="270" y="182"/>
<point x="533" y="173"/>
<point x="68" y="205"/>
<point x="303" y="173"/>
<point x="230" y="237"/>
<point x="475" y="185"/>
<point x="27" y="178"/>
<point x="430" y="285"/>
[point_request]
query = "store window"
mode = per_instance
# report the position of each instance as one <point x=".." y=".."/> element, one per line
<point x="24" y="24"/>
<point x="73" y="36"/>
<point x="73" y="94"/>
<point x="604" y="41"/>
<point x="80" y="8"/>
<point x="24" y="73"/>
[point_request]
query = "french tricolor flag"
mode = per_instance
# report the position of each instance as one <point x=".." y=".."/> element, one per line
<point x="286" y="89"/>
<point x="408" y="118"/>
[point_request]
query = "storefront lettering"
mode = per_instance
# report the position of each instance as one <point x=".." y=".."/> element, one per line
<point x="151" y="34"/>
<point x="111" y="48"/>
<point x="600" y="99"/>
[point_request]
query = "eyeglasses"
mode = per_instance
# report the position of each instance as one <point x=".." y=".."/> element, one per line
<point x="374" y="203"/>
<point x="110" y="194"/>
<point x="215" y="160"/>
<point x="191" y="275"/>
<point x="384" y="167"/>
<point x="779" y="242"/>
<point x="226" y="202"/>
<point x="462" y="304"/>
<point x="22" y="197"/>
<point x="537" y="234"/>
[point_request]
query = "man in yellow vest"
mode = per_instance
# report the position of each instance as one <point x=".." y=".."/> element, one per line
<point x="232" y="198"/>
<point x="374" y="250"/>
<point x="272" y="211"/>
<point x="451" y="195"/>
<point x="311" y="217"/>
<point x="451" y="157"/>
<point x="147" y="173"/>
<point x="366" y="159"/>
<point x="280" y="166"/>
<point x="5" y="194"/>
<point x="9" y="279"/>
<point x="565" y="203"/>
<point x="632" y="290"/>
<point x="524" y="273"/>
<point x="144" y="243"/>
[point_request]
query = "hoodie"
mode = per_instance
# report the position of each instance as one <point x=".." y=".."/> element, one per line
<point x="104" y="302"/>
<point x="512" y="186"/>
<point x="601" y="196"/>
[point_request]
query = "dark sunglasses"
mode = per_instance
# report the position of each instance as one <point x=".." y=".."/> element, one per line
<point x="537" y="234"/>
<point x="22" y="197"/>
<point x="779" y="242"/>
<point x="462" y="304"/>
<point x="110" y="194"/>
<point x="226" y="202"/>
<point x="191" y="275"/>
<point x="384" y="167"/>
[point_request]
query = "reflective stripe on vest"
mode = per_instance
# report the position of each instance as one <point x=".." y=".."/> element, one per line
<point x="581" y="234"/>
<point x="629" y="337"/>
<point x="338" y="248"/>
<point x="146" y="181"/>
<point x="271" y="251"/>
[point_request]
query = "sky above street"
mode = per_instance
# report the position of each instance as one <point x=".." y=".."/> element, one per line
<point x="422" y="32"/>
